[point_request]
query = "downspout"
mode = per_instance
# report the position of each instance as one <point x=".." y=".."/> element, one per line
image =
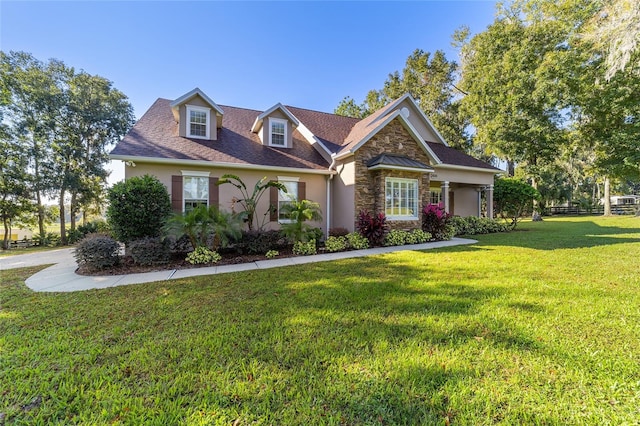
<point x="333" y="164"/>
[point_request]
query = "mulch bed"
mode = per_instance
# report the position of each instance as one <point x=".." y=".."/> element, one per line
<point x="127" y="266"/>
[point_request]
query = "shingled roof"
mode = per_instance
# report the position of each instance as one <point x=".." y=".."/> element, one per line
<point x="155" y="136"/>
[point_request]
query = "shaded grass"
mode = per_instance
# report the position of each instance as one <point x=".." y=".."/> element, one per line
<point x="27" y="250"/>
<point x="539" y="326"/>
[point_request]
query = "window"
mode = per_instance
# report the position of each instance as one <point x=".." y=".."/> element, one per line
<point x="198" y="122"/>
<point x="285" y="198"/>
<point x="195" y="192"/>
<point x="436" y="196"/>
<point x="401" y="198"/>
<point x="278" y="132"/>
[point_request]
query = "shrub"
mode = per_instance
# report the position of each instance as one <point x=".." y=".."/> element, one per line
<point x="338" y="232"/>
<point x="180" y="245"/>
<point x="150" y="251"/>
<point x="272" y="254"/>
<point x="259" y="242"/>
<point x="138" y="208"/>
<point x="418" y="236"/>
<point x="206" y="226"/>
<point x="202" y="256"/>
<point x="396" y="237"/>
<point x="357" y="241"/>
<point x="304" y="249"/>
<point x="333" y="244"/>
<point x="435" y="221"/>
<point x="49" y="239"/>
<point x="513" y="197"/>
<point x="93" y="227"/>
<point x="74" y="235"/>
<point x="299" y="212"/>
<point x="477" y="225"/>
<point x="373" y="228"/>
<point x="97" y="251"/>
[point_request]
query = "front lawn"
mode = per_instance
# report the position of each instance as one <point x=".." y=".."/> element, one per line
<point x="539" y="326"/>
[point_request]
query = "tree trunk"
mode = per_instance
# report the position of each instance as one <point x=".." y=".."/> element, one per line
<point x="63" y="225"/>
<point x="5" y="242"/>
<point x="607" y="197"/>
<point x="41" y="213"/>
<point x="511" y="168"/>
<point x="72" y="210"/>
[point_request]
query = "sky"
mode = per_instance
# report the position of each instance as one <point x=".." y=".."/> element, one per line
<point x="244" y="54"/>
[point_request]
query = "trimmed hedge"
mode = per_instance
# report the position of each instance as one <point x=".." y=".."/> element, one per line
<point x="97" y="251"/>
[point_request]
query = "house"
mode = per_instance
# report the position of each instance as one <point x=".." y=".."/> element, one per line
<point x="393" y="161"/>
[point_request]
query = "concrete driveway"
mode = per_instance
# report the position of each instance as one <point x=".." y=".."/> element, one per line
<point x="37" y="258"/>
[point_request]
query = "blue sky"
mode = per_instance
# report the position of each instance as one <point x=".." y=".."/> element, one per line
<point x="246" y="54"/>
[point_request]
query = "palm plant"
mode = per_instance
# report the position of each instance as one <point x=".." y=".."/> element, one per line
<point x="225" y="227"/>
<point x="194" y="224"/>
<point x="299" y="212"/>
<point x="250" y="202"/>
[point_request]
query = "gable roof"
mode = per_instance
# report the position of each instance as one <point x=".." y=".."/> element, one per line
<point x="318" y="138"/>
<point x="192" y="94"/>
<point x="259" y="119"/>
<point x="155" y="137"/>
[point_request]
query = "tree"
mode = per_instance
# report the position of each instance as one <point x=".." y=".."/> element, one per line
<point x="15" y="199"/>
<point x="299" y="212"/>
<point x="250" y="202"/>
<point x="512" y="198"/>
<point x="430" y="80"/>
<point x="33" y="91"/>
<point x="615" y="30"/>
<point x="138" y="207"/>
<point x="95" y="116"/>
<point x="510" y="101"/>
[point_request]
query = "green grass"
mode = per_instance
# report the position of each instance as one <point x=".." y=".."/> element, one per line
<point x="27" y="250"/>
<point x="539" y="326"/>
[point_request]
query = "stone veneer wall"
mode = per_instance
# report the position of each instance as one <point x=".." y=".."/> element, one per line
<point x="370" y="185"/>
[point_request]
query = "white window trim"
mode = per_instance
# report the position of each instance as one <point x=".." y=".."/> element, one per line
<point x="282" y="179"/>
<point x="282" y="121"/>
<point x="417" y="196"/>
<point x="207" y="111"/>
<point x="186" y="173"/>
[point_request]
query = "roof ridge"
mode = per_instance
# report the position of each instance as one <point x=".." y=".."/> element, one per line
<point x="324" y="112"/>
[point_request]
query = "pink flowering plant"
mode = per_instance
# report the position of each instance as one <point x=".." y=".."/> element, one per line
<point x="373" y="227"/>
<point x="435" y="220"/>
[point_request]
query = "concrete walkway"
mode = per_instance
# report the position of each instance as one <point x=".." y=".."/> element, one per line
<point x="62" y="277"/>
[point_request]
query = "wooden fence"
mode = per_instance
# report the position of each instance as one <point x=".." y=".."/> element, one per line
<point x="575" y="210"/>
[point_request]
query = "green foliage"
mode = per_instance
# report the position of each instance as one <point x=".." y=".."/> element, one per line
<point x="206" y="227"/>
<point x="97" y="251"/>
<point x="299" y="212"/>
<point x="96" y="226"/>
<point x="473" y="225"/>
<point x="301" y="248"/>
<point x="513" y="198"/>
<point x="138" y="207"/>
<point x="150" y="251"/>
<point x="202" y="256"/>
<point x="272" y="254"/>
<point x="333" y="244"/>
<point x="418" y="236"/>
<point x="250" y="202"/>
<point x="396" y="237"/>
<point x="254" y="242"/>
<point x="373" y="227"/>
<point x="356" y="241"/>
<point x="48" y="239"/>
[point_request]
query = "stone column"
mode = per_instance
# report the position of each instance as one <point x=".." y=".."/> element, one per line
<point x="444" y="188"/>
<point x="479" y="190"/>
<point x="489" y="196"/>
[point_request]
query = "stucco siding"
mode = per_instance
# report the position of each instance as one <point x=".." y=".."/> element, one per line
<point x="465" y="201"/>
<point x="315" y="185"/>
<point x="343" y="196"/>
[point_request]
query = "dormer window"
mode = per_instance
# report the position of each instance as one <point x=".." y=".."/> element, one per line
<point x="278" y="132"/>
<point x="198" y="122"/>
